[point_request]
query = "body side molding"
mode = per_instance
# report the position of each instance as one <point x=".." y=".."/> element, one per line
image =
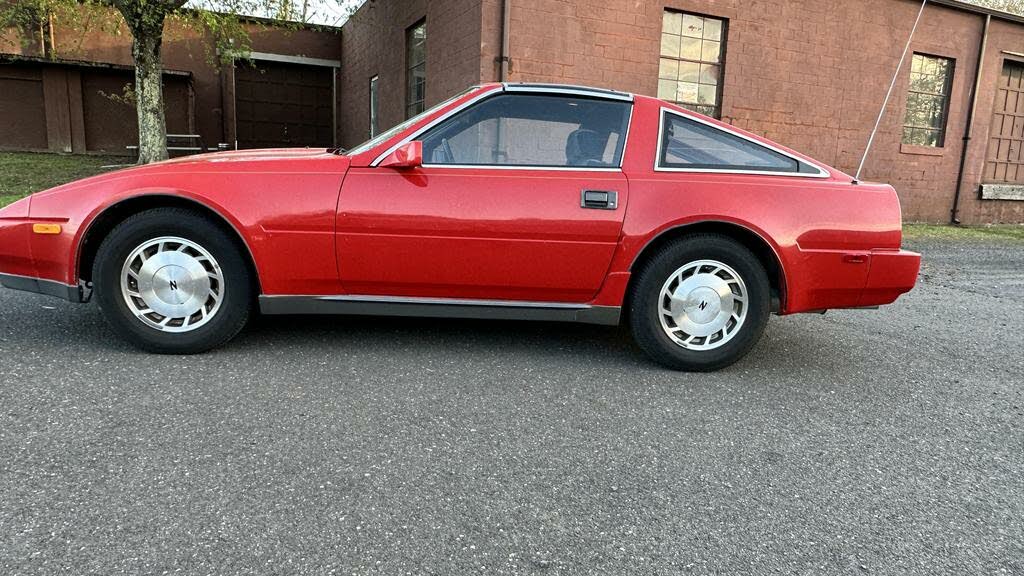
<point x="441" y="308"/>
<point x="43" y="286"/>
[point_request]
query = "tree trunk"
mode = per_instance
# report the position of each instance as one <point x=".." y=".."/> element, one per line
<point x="149" y="94"/>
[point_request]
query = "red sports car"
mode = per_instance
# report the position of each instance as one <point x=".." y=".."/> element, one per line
<point x="509" y="201"/>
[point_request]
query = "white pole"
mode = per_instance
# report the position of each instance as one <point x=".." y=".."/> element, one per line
<point x="871" y="139"/>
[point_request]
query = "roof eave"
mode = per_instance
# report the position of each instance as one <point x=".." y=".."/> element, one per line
<point x="967" y="7"/>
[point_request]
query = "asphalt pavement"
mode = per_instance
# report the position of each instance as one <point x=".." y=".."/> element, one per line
<point x="858" y="442"/>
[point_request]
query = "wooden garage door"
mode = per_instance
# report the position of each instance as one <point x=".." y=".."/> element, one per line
<point x="283" y="105"/>
<point x="1005" y="161"/>
<point x="22" y="113"/>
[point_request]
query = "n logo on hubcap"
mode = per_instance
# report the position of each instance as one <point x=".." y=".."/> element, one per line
<point x="174" y="286"/>
<point x="703" y="305"/>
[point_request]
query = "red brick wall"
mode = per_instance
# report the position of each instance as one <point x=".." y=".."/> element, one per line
<point x="373" y="43"/>
<point x="1003" y="36"/>
<point x="810" y="74"/>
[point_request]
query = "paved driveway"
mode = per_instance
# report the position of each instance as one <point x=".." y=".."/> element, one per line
<point x="863" y="442"/>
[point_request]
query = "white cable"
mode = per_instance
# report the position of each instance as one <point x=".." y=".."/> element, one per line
<point x="871" y="139"/>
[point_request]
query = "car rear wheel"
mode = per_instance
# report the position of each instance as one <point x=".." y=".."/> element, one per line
<point x="700" y="304"/>
<point x="171" y="281"/>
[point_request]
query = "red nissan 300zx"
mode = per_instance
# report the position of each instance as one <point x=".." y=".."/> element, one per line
<point x="509" y="201"/>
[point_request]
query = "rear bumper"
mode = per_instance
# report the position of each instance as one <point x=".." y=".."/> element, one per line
<point x="42" y="286"/>
<point x="891" y="274"/>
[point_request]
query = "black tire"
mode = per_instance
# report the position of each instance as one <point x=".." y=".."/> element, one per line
<point x="238" y="295"/>
<point x="644" y="305"/>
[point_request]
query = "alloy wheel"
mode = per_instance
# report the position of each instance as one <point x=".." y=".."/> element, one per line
<point x="172" y="284"/>
<point x="703" y="305"/>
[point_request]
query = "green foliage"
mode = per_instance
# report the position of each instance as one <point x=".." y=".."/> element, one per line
<point x="219" y="20"/>
<point x="126" y="97"/>
<point x="1007" y="232"/>
<point x="222" y="21"/>
<point x="32" y="18"/>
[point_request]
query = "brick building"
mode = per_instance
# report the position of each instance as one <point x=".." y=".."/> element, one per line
<point x="62" y="91"/>
<point x="810" y="74"/>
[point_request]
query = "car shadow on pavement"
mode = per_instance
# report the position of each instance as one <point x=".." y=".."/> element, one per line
<point x="44" y="325"/>
<point x="373" y="335"/>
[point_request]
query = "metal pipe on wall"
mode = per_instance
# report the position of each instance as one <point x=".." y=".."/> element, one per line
<point x="506" y="20"/>
<point x="973" y="107"/>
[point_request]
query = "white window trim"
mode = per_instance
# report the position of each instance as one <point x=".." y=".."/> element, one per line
<point x="503" y="90"/>
<point x="821" y="171"/>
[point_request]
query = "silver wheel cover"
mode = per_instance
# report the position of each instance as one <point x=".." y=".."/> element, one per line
<point x="703" y="305"/>
<point x="172" y="284"/>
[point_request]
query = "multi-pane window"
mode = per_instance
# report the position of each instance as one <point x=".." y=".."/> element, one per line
<point x="416" y="68"/>
<point x="928" y="101"/>
<point x="690" y="68"/>
<point x="373" y="106"/>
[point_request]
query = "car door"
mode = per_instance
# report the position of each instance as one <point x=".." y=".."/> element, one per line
<point x="520" y="197"/>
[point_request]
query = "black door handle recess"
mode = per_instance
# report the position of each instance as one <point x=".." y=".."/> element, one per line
<point x="599" y="199"/>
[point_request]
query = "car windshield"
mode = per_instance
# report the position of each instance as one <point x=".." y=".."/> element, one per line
<point x="387" y="135"/>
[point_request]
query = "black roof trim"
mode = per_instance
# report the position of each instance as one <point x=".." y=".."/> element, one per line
<point x="82" y="64"/>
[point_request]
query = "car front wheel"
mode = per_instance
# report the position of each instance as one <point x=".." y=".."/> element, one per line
<point x="171" y="281"/>
<point x="700" y="304"/>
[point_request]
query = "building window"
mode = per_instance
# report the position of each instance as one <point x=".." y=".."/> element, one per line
<point x="373" y="107"/>
<point x="690" y="69"/>
<point x="416" y="69"/>
<point x="928" y="101"/>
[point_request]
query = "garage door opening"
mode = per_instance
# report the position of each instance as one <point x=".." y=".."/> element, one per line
<point x="284" y="105"/>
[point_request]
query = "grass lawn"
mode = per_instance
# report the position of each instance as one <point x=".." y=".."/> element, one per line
<point x="1014" y="232"/>
<point x="22" y="173"/>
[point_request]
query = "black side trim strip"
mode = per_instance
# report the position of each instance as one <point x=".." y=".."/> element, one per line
<point x="42" y="286"/>
<point x="435" y="308"/>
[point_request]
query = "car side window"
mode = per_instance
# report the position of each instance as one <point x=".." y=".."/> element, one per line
<point x="687" y="143"/>
<point x="532" y="130"/>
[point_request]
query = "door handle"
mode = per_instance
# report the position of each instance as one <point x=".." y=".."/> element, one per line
<point x="599" y="199"/>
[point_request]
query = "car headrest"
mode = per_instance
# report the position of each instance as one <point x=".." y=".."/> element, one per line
<point x="584" y="147"/>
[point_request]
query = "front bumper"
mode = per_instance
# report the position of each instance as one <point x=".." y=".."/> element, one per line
<point x="25" y="258"/>
<point x="892" y="273"/>
<point x="43" y="286"/>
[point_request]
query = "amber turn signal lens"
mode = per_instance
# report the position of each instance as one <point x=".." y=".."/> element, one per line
<point x="46" y="228"/>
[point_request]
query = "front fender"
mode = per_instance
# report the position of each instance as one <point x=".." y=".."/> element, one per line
<point x="284" y="218"/>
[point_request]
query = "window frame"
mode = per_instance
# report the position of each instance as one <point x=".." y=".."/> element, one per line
<point x="527" y="91"/>
<point x="947" y="97"/>
<point x="512" y="89"/>
<point x="723" y="55"/>
<point x="820" y="171"/>
<point x="409" y="32"/>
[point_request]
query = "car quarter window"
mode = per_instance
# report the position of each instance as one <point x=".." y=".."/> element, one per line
<point x="689" y="144"/>
<point x="532" y="130"/>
